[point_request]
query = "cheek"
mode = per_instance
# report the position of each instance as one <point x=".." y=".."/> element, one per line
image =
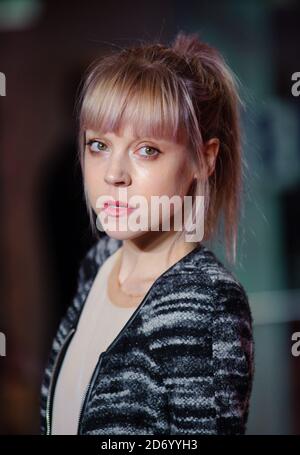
<point x="93" y="184"/>
<point x="171" y="180"/>
<point x="93" y="169"/>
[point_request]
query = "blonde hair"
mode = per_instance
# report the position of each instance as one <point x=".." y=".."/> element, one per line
<point x="185" y="92"/>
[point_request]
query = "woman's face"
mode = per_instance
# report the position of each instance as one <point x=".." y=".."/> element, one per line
<point x="118" y="167"/>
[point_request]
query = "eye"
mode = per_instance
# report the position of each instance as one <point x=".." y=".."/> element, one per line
<point x="95" y="146"/>
<point x="150" y="151"/>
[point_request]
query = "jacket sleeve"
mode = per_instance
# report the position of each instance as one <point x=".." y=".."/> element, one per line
<point x="207" y="367"/>
<point x="233" y="359"/>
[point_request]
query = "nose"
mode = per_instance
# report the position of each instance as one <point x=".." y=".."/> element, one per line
<point x="116" y="174"/>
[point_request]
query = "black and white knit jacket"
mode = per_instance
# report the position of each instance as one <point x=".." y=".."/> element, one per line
<point x="182" y="364"/>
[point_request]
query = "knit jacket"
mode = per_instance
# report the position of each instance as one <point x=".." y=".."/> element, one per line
<point x="182" y="364"/>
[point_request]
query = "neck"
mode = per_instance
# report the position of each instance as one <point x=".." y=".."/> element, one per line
<point x="147" y="257"/>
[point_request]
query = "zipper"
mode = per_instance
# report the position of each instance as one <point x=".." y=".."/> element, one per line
<point x="86" y="396"/>
<point x="58" y="362"/>
<point x="97" y="368"/>
<point x="110" y="346"/>
<point x="95" y="372"/>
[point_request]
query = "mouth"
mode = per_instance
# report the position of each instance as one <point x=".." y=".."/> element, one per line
<point x="117" y="208"/>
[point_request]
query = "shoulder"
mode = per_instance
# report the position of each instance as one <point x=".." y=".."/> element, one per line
<point x="204" y="287"/>
<point x="101" y="249"/>
<point x="89" y="265"/>
<point x="203" y="310"/>
<point x="231" y="311"/>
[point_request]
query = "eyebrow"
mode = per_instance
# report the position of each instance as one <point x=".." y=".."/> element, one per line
<point x="135" y="139"/>
<point x="100" y="133"/>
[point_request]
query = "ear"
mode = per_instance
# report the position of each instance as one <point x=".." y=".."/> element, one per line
<point x="211" y="150"/>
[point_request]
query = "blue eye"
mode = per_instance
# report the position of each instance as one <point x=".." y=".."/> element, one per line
<point x="147" y="147"/>
<point x="94" y="145"/>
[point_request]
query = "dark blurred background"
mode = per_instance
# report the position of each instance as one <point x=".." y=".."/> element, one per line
<point x="45" y="47"/>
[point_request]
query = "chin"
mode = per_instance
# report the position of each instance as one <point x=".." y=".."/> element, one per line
<point x="119" y="231"/>
<point x="124" y="235"/>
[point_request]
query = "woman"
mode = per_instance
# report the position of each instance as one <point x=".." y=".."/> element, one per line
<point x="158" y="339"/>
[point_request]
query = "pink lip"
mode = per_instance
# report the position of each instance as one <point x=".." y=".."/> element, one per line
<point x="121" y="208"/>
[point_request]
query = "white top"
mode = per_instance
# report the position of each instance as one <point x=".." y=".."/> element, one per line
<point x="100" y="322"/>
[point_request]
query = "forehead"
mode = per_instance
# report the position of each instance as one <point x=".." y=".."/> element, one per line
<point x="148" y="102"/>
